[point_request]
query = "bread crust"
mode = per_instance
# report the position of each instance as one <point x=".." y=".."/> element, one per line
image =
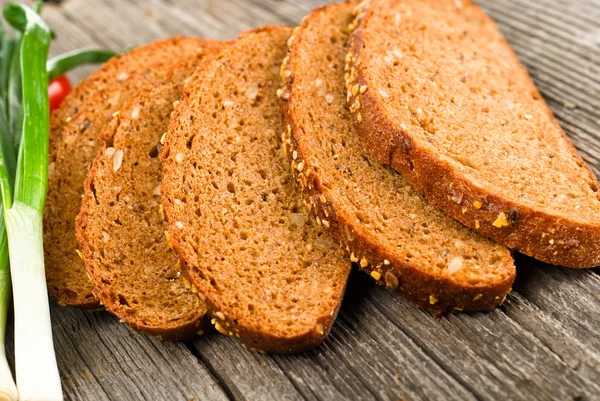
<point x="437" y="294"/>
<point x="226" y="319"/>
<point x="550" y="238"/>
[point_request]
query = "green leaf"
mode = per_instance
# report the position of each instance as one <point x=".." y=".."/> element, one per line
<point x="65" y="62"/>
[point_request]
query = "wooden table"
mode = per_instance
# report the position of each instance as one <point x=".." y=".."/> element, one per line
<point x="543" y="344"/>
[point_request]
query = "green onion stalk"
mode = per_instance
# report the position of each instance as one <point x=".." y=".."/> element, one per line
<point x="24" y="129"/>
<point x="35" y="361"/>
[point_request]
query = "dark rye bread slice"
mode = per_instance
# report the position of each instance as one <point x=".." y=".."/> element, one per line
<point x="448" y="105"/>
<point x="121" y="230"/>
<point x="268" y="274"/>
<point x="393" y="233"/>
<point x="74" y="148"/>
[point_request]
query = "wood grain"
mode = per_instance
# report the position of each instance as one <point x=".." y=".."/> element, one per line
<point x="542" y="344"/>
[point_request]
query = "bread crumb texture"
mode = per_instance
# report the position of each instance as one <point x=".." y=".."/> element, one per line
<point x="387" y="228"/>
<point x="269" y="274"/>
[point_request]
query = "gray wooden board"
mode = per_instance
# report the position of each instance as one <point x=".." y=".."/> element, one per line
<point x="542" y="344"/>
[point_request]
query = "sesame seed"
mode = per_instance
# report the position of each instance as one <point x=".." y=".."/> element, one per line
<point x="300" y="166"/>
<point x="528" y="116"/>
<point x="109" y="152"/>
<point x="323" y="199"/>
<point x="122" y="76"/>
<point x="252" y="92"/>
<point x="135" y="113"/>
<point x="455" y="264"/>
<point x="179" y="157"/>
<point x="363" y="89"/>
<point x="397" y="19"/>
<point x="386" y="262"/>
<point x="117" y="160"/>
<point x="329" y="98"/>
<point x="179" y="224"/>
<point x="294" y="155"/>
<point x="325" y="223"/>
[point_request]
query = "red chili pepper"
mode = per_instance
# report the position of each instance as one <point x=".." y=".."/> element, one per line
<point x="58" y="89"/>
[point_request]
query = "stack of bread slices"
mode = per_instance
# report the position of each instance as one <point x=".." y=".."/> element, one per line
<point x="198" y="183"/>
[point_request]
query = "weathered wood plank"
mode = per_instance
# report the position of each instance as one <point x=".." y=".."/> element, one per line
<point x="363" y="358"/>
<point x="101" y="359"/>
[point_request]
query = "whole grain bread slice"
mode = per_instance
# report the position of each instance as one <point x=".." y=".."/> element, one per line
<point x="268" y="274"/>
<point x="121" y="229"/>
<point x="74" y="147"/>
<point x="390" y="230"/>
<point x="437" y="93"/>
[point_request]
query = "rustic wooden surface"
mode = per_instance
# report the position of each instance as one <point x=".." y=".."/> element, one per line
<point x="543" y="344"/>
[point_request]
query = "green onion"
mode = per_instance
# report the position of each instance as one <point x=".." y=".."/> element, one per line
<point x="65" y="62"/>
<point x="8" y="389"/>
<point x="24" y="126"/>
<point x="35" y="362"/>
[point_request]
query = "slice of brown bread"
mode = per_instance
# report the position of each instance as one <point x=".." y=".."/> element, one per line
<point x="268" y="274"/>
<point x="392" y="232"/>
<point x="121" y="230"/>
<point x="74" y="148"/>
<point x="438" y="94"/>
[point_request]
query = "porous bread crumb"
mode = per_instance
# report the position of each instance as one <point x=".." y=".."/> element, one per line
<point x="247" y="207"/>
<point x="384" y="219"/>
